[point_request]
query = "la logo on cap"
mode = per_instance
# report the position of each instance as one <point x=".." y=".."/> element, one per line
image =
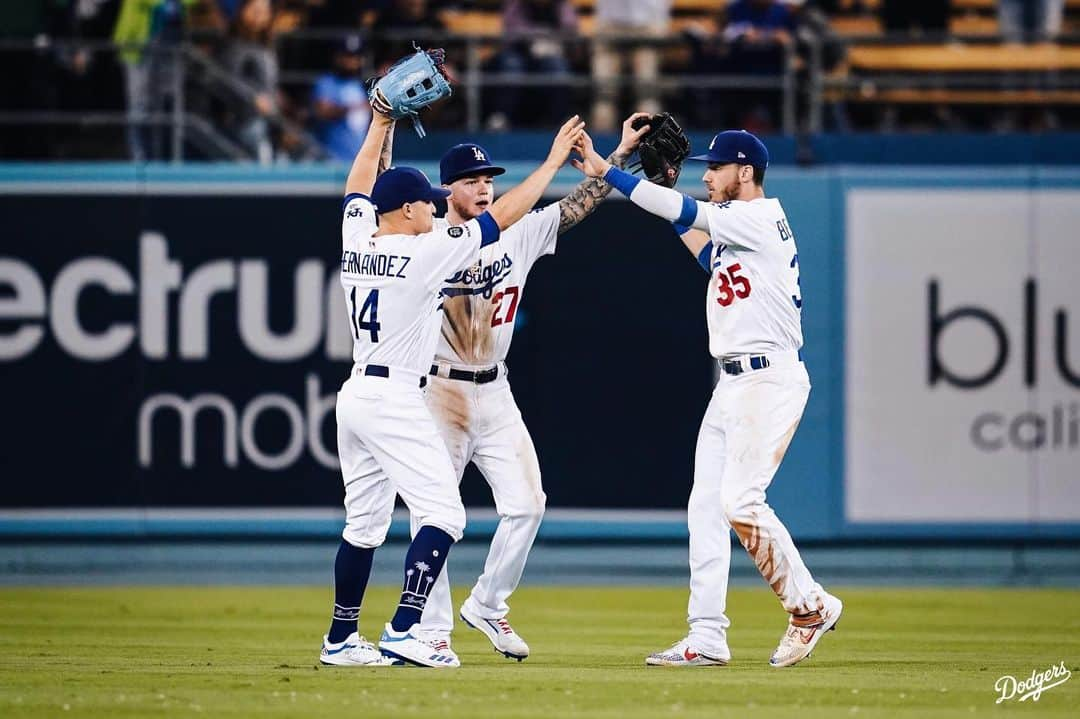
<point x="479" y="155"/>
<point x="712" y="144"/>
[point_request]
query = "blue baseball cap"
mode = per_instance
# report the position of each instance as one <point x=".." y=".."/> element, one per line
<point x="736" y="146"/>
<point x="464" y="160"/>
<point x="399" y="185"/>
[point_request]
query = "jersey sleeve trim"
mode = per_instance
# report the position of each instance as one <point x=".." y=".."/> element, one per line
<point x="489" y="229"/>
<point x="354" y="196"/>
<point x="688" y="213"/>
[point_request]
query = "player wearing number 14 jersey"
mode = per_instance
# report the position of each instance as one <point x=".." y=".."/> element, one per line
<point x="392" y="267"/>
<point x="469" y="394"/>
<point x="753" y="306"/>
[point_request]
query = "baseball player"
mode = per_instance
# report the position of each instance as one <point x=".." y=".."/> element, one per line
<point x="393" y="265"/>
<point x="753" y="307"/>
<point x="468" y="391"/>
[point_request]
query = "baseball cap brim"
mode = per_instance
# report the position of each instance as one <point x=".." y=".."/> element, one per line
<point x="437" y="193"/>
<point x="493" y="170"/>
<point x="703" y="158"/>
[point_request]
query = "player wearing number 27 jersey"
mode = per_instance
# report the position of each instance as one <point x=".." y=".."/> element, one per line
<point x="469" y="394"/>
<point x="753" y="306"/>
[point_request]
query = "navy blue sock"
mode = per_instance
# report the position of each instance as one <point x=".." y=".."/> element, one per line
<point x="351" y="571"/>
<point x="423" y="562"/>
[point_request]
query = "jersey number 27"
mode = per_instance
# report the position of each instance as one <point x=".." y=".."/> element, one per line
<point x="370" y="310"/>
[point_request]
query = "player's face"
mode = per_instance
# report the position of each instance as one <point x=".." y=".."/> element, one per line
<point x="420" y="214"/>
<point x="471" y="196"/>
<point x="722" y="181"/>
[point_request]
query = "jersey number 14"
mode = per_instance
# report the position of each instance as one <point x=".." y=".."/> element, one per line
<point x="366" y="317"/>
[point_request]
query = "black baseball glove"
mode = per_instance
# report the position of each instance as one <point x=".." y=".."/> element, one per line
<point x="662" y="150"/>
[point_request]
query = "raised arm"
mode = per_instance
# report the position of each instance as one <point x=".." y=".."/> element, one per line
<point x="512" y="206"/>
<point x="584" y="198"/>
<point x="387" y="152"/>
<point x="670" y="204"/>
<point x="366" y="166"/>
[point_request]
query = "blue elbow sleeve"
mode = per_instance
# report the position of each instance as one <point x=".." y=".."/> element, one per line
<point x="705" y="256"/>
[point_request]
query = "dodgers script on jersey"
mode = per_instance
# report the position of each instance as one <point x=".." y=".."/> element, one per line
<point x="482" y="300"/>
<point x="753" y="304"/>
<point x="392" y="285"/>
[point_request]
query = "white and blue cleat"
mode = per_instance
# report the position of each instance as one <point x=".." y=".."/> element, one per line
<point x="355" y="651"/>
<point x="409" y="648"/>
<point x="499" y="632"/>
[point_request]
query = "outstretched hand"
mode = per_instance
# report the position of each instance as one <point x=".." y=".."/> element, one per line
<point x="631" y="136"/>
<point x="566" y="140"/>
<point x="591" y="163"/>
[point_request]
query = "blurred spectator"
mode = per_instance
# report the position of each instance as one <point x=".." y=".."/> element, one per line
<point x="341" y="109"/>
<point x="616" y="19"/>
<point x="538" y="55"/>
<point x="251" y="60"/>
<point x="755" y="39"/>
<point x="906" y="16"/>
<point x="1017" y="18"/>
<point x="409" y="20"/>
<point x="148" y="32"/>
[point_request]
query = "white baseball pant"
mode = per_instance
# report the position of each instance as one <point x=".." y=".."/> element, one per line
<point x="745" y="432"/>
<point x="482" y="423"/>
<point x="388" y="443"/>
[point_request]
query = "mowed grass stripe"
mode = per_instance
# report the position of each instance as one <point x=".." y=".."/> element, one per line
<point x="251" y="651"/>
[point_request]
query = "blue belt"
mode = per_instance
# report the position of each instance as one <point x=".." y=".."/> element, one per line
<point x="756" y="362"/>
<point x="378" y="370"/>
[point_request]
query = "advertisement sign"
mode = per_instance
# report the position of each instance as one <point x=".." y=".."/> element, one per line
<point x="962" y="356"/>
<point x="186" y="351"/>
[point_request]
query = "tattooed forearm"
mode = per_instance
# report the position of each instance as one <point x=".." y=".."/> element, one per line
<point x="386" y="152"/>
<point x="580" y="203"/>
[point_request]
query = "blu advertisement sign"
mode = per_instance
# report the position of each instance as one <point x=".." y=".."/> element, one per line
<point x="962" y="356"/>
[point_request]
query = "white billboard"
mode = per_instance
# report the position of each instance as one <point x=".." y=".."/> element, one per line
<point x="962" y="356"/>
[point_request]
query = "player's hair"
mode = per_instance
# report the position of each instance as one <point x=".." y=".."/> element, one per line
<point x="759" y="176"/>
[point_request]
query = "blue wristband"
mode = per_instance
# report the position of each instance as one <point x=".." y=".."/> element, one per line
<point x="621" y="180"/>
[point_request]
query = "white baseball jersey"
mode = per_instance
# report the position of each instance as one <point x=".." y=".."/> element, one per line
<point x="482" y="300"/>
<point x="753" y="303"/>
<point x="393" y="284"/>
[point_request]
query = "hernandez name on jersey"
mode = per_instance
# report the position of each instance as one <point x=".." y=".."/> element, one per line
<point x="392" y="284"/>
<point x="482" y="301"/>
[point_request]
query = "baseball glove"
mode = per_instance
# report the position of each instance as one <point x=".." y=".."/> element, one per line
<point x="411" y="84"/>
<point x="662" y="150"/>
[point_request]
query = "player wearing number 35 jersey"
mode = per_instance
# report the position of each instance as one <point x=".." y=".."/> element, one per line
<point x="393" y="266"/>
<point x="753" y="306"/>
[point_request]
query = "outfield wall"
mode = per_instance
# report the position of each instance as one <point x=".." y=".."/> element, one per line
<point x="172" y="338"/>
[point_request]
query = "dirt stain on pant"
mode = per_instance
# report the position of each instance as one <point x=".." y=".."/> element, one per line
<point x="774" y="569"/>
<point x="448" y="403"/>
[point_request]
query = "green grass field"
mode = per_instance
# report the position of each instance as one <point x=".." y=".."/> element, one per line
<point x="136" y="652"/>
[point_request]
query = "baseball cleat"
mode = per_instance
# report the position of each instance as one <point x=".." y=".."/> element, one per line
<point x="414" y="648"/>
<point x="499" y="632"/>
<point x="798" y="641"/>
<point x="682" y="654"/>
<point x="355" y="651"/>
